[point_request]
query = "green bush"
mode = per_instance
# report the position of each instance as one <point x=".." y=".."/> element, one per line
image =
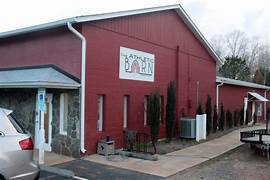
<point x="255" y="118"/>
<point x="236" y="118"/>
<point x="241" y="116"/>
<point x="215" y="119"/>
<point x="229" y="120"/>
<point x="153" y="112"/>
<point x="200" y="109"/>
<point x="208" y="111"/>
<point x="170" y="110"/>
<point x="247" y="116"/>
<point x="222" y="118"/>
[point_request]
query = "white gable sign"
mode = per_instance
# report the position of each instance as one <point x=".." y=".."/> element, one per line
<point x="136" y="65"/>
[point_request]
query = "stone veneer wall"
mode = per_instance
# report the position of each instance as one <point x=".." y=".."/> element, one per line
<point x="23" y="103"/>
<point x="67" y="144"/>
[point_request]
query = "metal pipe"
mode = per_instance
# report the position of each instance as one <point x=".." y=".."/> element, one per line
<point x="217" y="94"/>
<point x="265" y="118"/>
<point x="82" y="96"/>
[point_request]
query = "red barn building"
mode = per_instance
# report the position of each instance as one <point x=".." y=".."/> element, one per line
<point x="231" y="94"/>
<point x="98" y="70"/>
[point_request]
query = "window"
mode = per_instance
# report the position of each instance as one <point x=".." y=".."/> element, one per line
<point x="259" y="109"/>
<point x="63" y="113"/>
<point x="145" y="103"/>
<point x="125" y="111"/>
<point x="100" y="113"/>
<point x="16" y="124"/>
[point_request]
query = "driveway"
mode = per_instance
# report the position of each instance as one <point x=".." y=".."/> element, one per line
<point x="90" y="170"/>
<point x="242" y="163"/>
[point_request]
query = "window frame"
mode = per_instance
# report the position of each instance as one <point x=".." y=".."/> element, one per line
<point x="63" y="113"/>
<point x="145" y="106"/>
<point x="126" y="99"/>
<point x="101" y="107"/>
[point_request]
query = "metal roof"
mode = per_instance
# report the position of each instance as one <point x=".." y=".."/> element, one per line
<point x="80" y="19"/>
<point x="36" y="78"/>
<point x="258" y="97"/>
<point x="240" y="83"/>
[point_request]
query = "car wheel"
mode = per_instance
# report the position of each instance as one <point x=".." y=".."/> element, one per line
<point x="2" y="177"/>
<point x="37" y="177"/>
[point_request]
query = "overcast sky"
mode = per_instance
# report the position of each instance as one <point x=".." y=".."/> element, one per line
<point x="211" y="16"/>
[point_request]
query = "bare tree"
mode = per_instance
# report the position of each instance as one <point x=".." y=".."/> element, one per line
<point x="237" y="44"/>
<point x="217" y="42"/>
<point x="252" y="56"/>
<point x="253" y="51"/>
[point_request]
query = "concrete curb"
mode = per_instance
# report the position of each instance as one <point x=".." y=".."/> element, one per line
<point x="138" y="155"/>
<point x="58" y="171"/>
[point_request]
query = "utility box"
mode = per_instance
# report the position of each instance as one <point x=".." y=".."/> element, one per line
<point x="105" y="147"/>
<point x="188" y="128"/>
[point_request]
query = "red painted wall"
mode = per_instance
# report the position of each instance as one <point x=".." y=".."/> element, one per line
<point x="232" y="97"/>
<point x="156" y="33"/>
<point x="58" y="47"/>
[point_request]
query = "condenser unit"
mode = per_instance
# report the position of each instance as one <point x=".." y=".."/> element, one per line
<point x="188" y="128"/>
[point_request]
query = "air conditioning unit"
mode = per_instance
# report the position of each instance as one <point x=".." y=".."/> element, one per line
<point x="188" y="128"/>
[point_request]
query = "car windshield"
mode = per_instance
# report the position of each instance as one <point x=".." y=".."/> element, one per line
<point x="16" y="124"/>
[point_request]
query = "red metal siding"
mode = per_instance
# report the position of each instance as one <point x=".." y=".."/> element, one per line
<point x="57" y="47"/>
<point x="159" y="34"/>
<point x="232" y="97"/>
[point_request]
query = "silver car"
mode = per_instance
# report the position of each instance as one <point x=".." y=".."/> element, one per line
<point x="16" y="150"/>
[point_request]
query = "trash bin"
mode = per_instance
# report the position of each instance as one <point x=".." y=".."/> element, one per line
<point x="105" y="147"/>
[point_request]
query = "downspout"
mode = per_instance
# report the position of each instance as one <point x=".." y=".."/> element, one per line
<point x="217" y="94"/>
<point x="265" y="118"/>
<point x="82" y="97"/>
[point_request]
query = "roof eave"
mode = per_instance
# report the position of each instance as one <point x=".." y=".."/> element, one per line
<point x="36" y="28"/>
<point x="177" y="7"/>
<point x="240" y="83"/>
<point x="103" y="16"/>
<point x="197" y="33"/>
<point x="39" y="85"/>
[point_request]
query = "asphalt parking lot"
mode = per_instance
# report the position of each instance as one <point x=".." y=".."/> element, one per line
<point x="90" y="170"/>
<point x="243" y="163"/>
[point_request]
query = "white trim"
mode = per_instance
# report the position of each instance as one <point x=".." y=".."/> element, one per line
<point x="125" y="111"/>
<point x="100" y="113"/>
<point x="82" y="95"/>
<point x="80" y="19"/>
<point x="197" y="33"/>
<point x="258" y="97"/>
<point x="38" y="85"/>
<point x="217" y="96"/>
<point x="47" y="146"/>
<point x="240" y="83"/>
<point x="145" y="102"/>
<point x="63" y="113"/>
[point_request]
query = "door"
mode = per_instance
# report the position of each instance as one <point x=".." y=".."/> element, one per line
<point x="48" y="123"/>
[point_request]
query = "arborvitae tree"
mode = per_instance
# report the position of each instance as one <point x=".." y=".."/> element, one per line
<point x="215" y="119"/>
<point x="154" y="116"/>
<point x="255" y="118"/>
<point x="170" y="110"/>
<point x="229" y="122"/>
<point x="241" y="116"/>
<point x="236" y="118"/>
<point x="208" y="111"/>
<point x="199" y="109"/>
<point x="247" y="115"/>
<point x="222" y="118"/>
